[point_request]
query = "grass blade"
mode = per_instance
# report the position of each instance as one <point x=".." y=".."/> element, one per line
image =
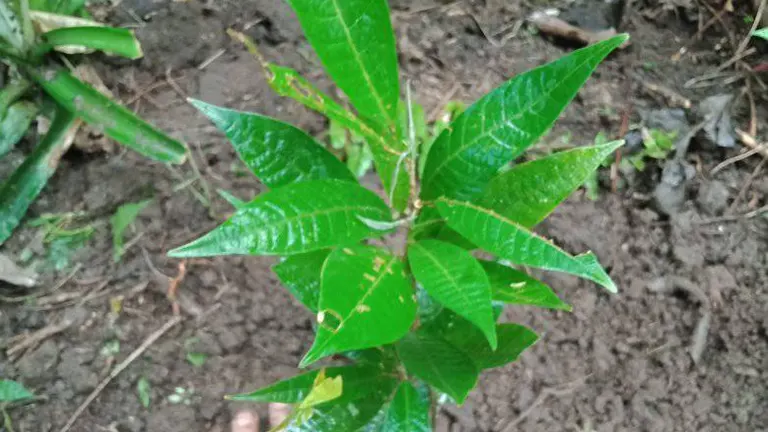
<point x="108" y="39"/>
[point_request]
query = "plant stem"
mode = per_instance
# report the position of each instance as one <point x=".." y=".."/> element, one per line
<point x="414" y="203"/>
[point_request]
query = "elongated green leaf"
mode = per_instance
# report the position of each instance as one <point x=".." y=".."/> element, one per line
<point x="529" y="192"/>
<point x="15" y="124"/>
<point x="355" y="41"/>
<point x="11" y="391"/>
<point x="122" y="219"/>
<point x="366" y="300"/>
<point x="26" y="182"/>
<point x="515" y="287"/>
<point x="762" y="33"/>
<point x="298" y="218"/>
<point x="287" y="82"/>
<point x="358" y="382"/>
<point x="438" y="363"/>
<point x="453" y="277"/>
<point x="276" y="152"/>
<point x="301" y="275"/>
<point x="10" y="26"/>
<point x="505" y="238"/>
<point x="500" y="126"/>
<point x="109" y="39"/>
<point x="408" y="411"/>
<point x="115" y="120"/>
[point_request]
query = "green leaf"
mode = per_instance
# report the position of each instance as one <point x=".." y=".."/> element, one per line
<point x="408" y="411"/>
<point x="438" y="363"/>
<point x="355" y="41"/>
<point x="515" y="287"/>
<point x="197" y="359"/>
<point x="115" y="120"/>
<point x="510" y="241"/>
<point x="347" y="415"/>
<point x="386" y="155"/>
<point x="324" y="389"/>
<point x="501" y="125"/>
<point x="513" y="340"/>
<point x="109" y="39"/>
<point x="529" y="192"/>
<point x="10" y="26"/>
<point x="276" y="152"/>
<point x="301" y="275"/>
<point x="366" y="300"/>
<point x="359" y="381"/>
<point x="231" y="199"/>
<point x="26" y="182"/>
<point x="122" y="219"/>
<point x="762" y="33"/>
<point x="15" y="124"/>
<point x="298" y="218"/>
<point x="12" y="391"/>
<point x="454" y="278"/>
<point x="144" y="392"/>
<point x="11" y="93"/>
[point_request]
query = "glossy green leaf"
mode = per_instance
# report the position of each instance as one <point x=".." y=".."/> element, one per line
<point x="366" y="300"/>
<point x="358" y="381"/>
<point x="26" y="182"/>
<point x="342" y="415"/>
<point x="277" y="153"/>
<point x="438" y="363"/>
<point x="408" y="411"/>
<point x="515" y="287"/>
<point x="453" y="277"/>
<point x="287" y="82"/>
<point x="10" y="26"/>
<point x="355" y="41"/>
<point x="301" y="275"/>
<point x="12" y="391"/>
<point x="324" y="389"/>
<point x="515" y="243"/>
<point x="15" y="124"/>
<point x="529" y="192"/>
<point x="122" y="219"/>
<point x="501" y="125"/>
<point x="109" y="39"/>
<point x="115" y="120"/>
<point x="762" y="33"/>
<point x="298" y="218"/>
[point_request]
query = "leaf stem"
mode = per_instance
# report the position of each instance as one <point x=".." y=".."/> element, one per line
<point x="414" y="204"/>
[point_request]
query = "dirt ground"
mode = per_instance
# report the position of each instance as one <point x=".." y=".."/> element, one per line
<point x="617" y="363"/>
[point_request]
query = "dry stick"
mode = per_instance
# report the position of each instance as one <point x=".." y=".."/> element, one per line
<point x="119" y="368"/>
<point x="734" y="218"/>
<point x="59" y="284"/>
<point x="746" y="186"/>
<point x="750" y="141"/>
<point x="730" y="161"/>
<point x="37" y="337"/>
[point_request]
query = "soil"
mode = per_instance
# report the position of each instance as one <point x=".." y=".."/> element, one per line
<point x="617" y="362"/>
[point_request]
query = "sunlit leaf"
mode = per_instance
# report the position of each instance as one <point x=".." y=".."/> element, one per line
<point x="12" y="391"/>
<point x="515" y="287"/>
<point x="452" y="276"/>
<point x="438" y="363"/>
<point x="115" y="120"/>
<point x="293" y="219"/>
<point x="122" y="219"/>
<point x="276" y="152"/>
<point x="301" y="275"/>
<point x="14" y="125"/>
<point x="529" y="192"/>
<point x="324" y="389"/>
<point x="366" y="300"/>
<point x="501" y="125"/>
<point x="112" y="40"/>
<point x="26" y="182"/>
<point x="511" y="241"/>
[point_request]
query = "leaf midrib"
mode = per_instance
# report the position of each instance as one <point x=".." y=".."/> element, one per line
<point x="359" y="61"/>
<point x="493" y="129"/>
<point x="287" y="220"/>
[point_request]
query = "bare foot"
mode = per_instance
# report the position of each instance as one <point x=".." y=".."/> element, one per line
<point x="245" y="421"/>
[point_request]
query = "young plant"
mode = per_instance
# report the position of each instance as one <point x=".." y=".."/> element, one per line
<point x="34" y="36"/>
<point x="417" y="323"/>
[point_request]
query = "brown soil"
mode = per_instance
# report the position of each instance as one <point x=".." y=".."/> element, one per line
<point x="616" y="363"/>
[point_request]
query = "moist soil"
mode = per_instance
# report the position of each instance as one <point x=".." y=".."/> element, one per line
<point x="616" y="363"/>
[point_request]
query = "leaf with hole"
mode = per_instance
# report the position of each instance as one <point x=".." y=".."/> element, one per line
<point x="515" y="287"/>
<point x="529" y="192"/>
<point x="500" y="126"/>
<point x="438" y="363"/>
<point x="511" y="241"/>
<point x="298" y="218"/>
<point x="366" y="300"/>
<point x="301" y="276"/>
<point x="277" y="153"/>
<point x="453" y="277"/>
